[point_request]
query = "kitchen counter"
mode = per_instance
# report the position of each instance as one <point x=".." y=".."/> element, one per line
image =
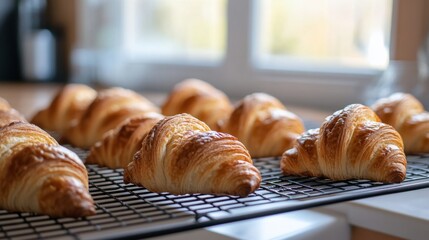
<point x="403" y="215"/>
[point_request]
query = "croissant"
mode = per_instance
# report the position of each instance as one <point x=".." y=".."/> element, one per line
<point x="263" y="125"/>
<point x="107" y="111"/>
<point x="199" y="99"/>
<point x="182" y="155"/>
<point x="351" y="144"/>
<point x="38" y="175"/>
<point x="407" y="115"/>
<point x="66" y="107"/>
<point x="119" y="145"/>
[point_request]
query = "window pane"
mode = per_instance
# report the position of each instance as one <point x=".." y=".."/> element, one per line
<point x="182" y="29"/>
<point x="352" y="33"/>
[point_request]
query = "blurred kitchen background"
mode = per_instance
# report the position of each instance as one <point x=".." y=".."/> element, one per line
<point x="325" y="53"/>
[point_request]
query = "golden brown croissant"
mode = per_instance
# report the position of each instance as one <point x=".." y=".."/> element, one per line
<point x="199" y="99"/>
<point x="107" y="111"/>
<point x="38" y="175"/>
<point x="182" y="155"/>
<point x="119" y="145"/>
<point x="407" y="115"/>
<point x="67" y="106"/>
<point x="263" y="125"/>
<point x="351" y="144"/>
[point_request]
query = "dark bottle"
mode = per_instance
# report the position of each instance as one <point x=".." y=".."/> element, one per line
<point x="10" y="67"/>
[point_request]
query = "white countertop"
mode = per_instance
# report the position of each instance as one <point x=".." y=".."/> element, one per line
<point x="404" y="215"/>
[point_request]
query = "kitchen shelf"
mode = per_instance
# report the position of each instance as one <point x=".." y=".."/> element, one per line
<point x="131" y="212"/>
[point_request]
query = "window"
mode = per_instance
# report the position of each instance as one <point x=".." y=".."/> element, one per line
<point x="335" y="33"/>
<point x="321" y="53"/>
<point x="175" y="31"/>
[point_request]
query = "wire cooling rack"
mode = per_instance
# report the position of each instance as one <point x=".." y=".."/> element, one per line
<point x="128" y="211"/>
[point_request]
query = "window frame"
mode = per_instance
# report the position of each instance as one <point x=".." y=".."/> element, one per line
<point x="238" y="74"/>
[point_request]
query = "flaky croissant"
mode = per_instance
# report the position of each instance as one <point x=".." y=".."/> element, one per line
<point x="351" y="144"/>
<point x="199" y="99"/>
<point x="263" y="125"/>
<point x="182" y="155"/>
<point x="119" y="145"/>
<point x="38" y="175"/>
<point x="407" y="115"/>
<point x="107" y="111"/>
<point x="67" y="106"/>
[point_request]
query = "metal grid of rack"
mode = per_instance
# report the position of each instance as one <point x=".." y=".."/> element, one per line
<point x="129" y="211"/>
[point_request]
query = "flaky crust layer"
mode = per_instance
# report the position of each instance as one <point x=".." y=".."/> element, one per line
<point x="351" y="144"/>
<point x="38" y="175"/>
<point x="67" y="106"/>
<point x="119" y="145"/>
<point x="407" y="115"/>
<point x="263" y="124"/>
<point x="109" y="109"/>
<point x="199" y="99"/>
<point x="182" y="155"/>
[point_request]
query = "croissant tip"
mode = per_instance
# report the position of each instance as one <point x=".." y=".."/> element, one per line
<point x="396" y="178"/>
<point x="90" y="159"/>
<point x="126" y="180"/>
<point x="85" y="210"/>
<point x="127" y="177"/>
<point x="246" y="189"/>
<point x="88" y="211"/>
<point x="243" y="192"/>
